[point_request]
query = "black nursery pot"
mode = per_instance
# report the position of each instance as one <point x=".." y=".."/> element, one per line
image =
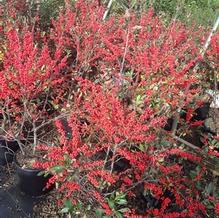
<point x="30" y="182"/>
<point x="202" y="112"/>
<point x="7" y="149"/>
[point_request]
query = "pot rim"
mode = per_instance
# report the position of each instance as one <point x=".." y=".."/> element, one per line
<point x="26" y="169"/>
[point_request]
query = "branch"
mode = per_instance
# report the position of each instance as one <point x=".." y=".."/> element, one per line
<point x="207" y="43"/>
<point x="107" y="10"/>
<point x="206" y="161"/>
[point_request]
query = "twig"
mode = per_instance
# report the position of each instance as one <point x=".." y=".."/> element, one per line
<point x="113" y="158"/>
<point x="207" y="43"/>
<point x="124" y="56"/>
<point x="15" y="138"/>
<point x="206" y="160"/>
<point x="34" y="137"/>
<point x="50" y="121"/>
<point x="107" y="10"/>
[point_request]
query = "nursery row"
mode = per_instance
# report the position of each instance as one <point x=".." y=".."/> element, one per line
<point x="117" y="114"/>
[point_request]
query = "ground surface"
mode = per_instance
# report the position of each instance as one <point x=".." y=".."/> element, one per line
<point x="14" y="204"/>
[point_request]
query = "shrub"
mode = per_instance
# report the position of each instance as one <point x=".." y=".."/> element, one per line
<point x="30" y="80"/>
<point x="127" y="80"/>
<point x="114" y="149"/>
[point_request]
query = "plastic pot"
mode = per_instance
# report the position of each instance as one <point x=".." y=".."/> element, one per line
<point x="202" y="112"/>
<point x="29" y="182"/>
<point x="169" y="124"/>
<point x="7" y="149"/>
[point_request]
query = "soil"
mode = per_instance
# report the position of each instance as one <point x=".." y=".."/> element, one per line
<point x="212" y="123"/>
<point x="6" y="178"/>
<point x="14" y="204"/>
<point x="27" y="160"/>
<point x="47" y="208"/>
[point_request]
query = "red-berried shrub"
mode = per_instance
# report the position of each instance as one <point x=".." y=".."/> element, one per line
<point x="123" y="77"/>
<point x="140" y="53"/>
<point x="212" y="52"/>
<point x="30" y="79"/>
<point x="116" y="149"/>
<point x="131" y="73"/>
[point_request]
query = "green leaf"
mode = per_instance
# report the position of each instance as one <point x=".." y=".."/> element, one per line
<point x="46" y="174"/>
<point x="165" y="143"/>
<point x="198" y="185"/>
<point x="209" y="188"/>
<point x="216" y="194"/>
<point x="123" y="210"/>
<point x="41" y="173"/>
<point x="99" y="213"/>
<point x="65" y="210"/>
<point x="122" y="202"/>
<point x="138" y="99"/>
<point x="141" y="147"/>
<point x="68" y="204"/>
<point x="119" y="196"/>
<point x="67" y="159"/>
<point x="89" y="207"/>
<point x="58" y="169"/>
<point x="192" y="174"/>
<point x="118" y="214"/>
<point x="209" y="206"/>
<point x="111" y="204"/>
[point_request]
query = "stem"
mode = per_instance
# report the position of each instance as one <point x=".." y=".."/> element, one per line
<point x="113" y="158"/>
<point x="114" y="153"/>
<point x="206" y="160"/>
<point x="105" y="161"/>
<point x="20" y="146"/>
<point x="207" y="43"/>
<point x="107" y="10"/>
<point x="124" y="56"/>
<point x="14" y="138"/>
<point x="34" y="137"/>
<point x="4" y="120"/>
<point x="49" y="121"/>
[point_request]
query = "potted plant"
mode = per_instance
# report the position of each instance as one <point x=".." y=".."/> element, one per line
<point x="29" y="95"/>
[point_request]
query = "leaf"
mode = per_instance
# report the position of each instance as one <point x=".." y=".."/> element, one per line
<point x="111" y="204"/>
<point x="58" y="169"/>
<point x="193" y="174"/>
<point x="141" y="147"/>
<point x="68" y="204"/>
<point x="216" y="194"/>
<point x="89" y="207"/>
<point x="209" y="206"/>
<point x="123" y="210"/>
<point x="99" y="213"/>
<point x="65" y="210"/>
<point x="198" y="185"/>
<point x="67" y="159"/>
<point x="46" y="174"/>
<point x="209" y="188"/>
<point x="41" y="173"/>
<point x="138" y="99"/>
<point x="119" y="196"/>
<point x="122" y="202"/>
<point x="118" y="214"/>
<point x="165" y="143"/>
